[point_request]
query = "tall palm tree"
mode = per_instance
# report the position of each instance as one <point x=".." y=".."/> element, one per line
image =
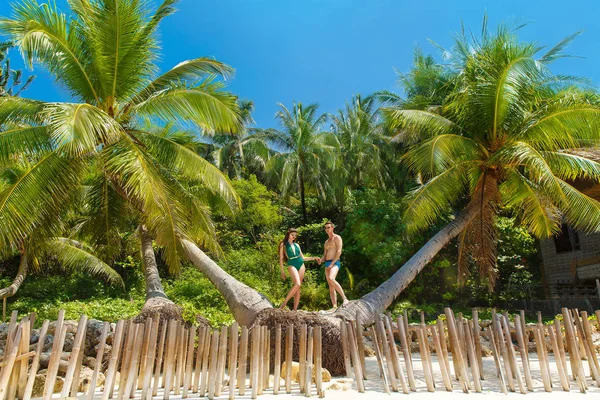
<point x="361" y="139"/>
<point x="243" y="153"/>
<point x="11" y="79"/>
<point x="105" y="56"/>
<point x="499" y="138"/>
<point x="306" y="154"/>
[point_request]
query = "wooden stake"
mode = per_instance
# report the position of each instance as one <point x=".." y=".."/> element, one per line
<point x="289" y="340"/>
<point x="169" y="367"/>
<point x="9" y="361"/>
<point x="395" y="356"/>
<point x="456" y="351"/>
<point x="35" y="364"/>
<point x="477" y="340"/>
<point x="361" y="345"/>
<point x="261" y="359"/>
<point x="345" y="349"/>
<point x="564" y="380"/>
<point x="498" y="331"/>
<point x="57" y="347"/>
<point x="213" y="365"/>
<point x="205" y="361"/>
<point x="189" y="362"/>
<point x="442" y="338"/>
<point x="267" y="369"/>
<point x="180" y="354"/>
<point x="277" y="367"/>
<point x="243" y="361"/>
<point x="407" y="354"/>
<point x="149" y="358"/>
<point x="523" y="353"/>
<point x="423" y="348"/>
<point x="355" y="362"/>
<point x="319" y="362"/>
<point x="590" y="355"/>
<point x="132" y="371"/>
<point x="233" y="355"/>
<point x="495" y="352"/>
<point x="525" y="334"/>
<point x="539" y="341"/>
<point x="126" y="359"/>
<point x="199" y="352"/>
<point x="561" y="345"/>
<point x="377" y="348"/>
<point x="512" y="356"/>
<point x="98" y="364"/>
<point x="587" y="330"/>
<point x="302" y="355"/>
<point x="221" y="361"/>
<point x="24" y="362"/>
<point x="109" y="383"/>
<point x="309" y="364"/>
<point x="386" y="353"/>
<point x="441" y="361"/>
<point x="254" y="354"/>
<point x="159" y="358"/>
<point x="144" y="353"/>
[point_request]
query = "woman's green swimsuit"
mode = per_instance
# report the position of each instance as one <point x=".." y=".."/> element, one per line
<point x="294" y="256"/>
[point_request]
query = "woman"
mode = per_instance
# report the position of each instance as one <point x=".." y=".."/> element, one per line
<point x="290" y="251"/>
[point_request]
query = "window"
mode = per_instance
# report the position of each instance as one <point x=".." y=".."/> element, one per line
<point x="567" y="240"/>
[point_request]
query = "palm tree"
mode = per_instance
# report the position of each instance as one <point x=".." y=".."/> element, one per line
<point x="244" y="153"/>
<point x="499" y="138"/>
<point x="306" y="153"/>
<point x="105" y="55"/>
<point x="361" y="140"/>
<point x="11" y="79"/>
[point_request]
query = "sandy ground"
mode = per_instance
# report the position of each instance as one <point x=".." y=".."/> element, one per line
<point x="345" y="389"/>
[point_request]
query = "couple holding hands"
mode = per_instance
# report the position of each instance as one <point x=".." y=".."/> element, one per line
<point x="289" y="251"/>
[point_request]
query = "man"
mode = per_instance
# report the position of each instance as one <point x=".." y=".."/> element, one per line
<point x="331" y="258"/>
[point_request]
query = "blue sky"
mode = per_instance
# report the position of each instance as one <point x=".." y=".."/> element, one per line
<point x="325" y="51"/>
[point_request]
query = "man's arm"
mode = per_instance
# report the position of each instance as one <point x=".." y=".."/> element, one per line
<point x="338" y="249"/>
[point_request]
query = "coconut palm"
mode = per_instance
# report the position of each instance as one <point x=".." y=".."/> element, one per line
<point x="361" y="141"/>
<point x="306" y="154"/>
<point x="498" y="139"/>
<point x="105" y="56"/>
<point x="10" y="79"/>
<point x="244" y="153"/>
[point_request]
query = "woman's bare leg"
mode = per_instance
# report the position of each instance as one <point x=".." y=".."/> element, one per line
<point x="297" y="294"/>
<point x="296" y="280"/>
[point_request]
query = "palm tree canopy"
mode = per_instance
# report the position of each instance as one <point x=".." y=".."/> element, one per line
<point x="105" y="54"/>
<point x="500" y="137"/>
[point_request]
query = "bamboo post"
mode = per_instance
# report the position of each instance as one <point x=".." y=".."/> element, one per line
<point x="168" y="369"/>
<point x="277" y="366"/>
<point x="289" y="341"/>
<point x="98" y="364"/>
<point x="441" y="361"/>
<point x="523" y="353"/>
<point x="512" y="356"/>
<point x="319" y="361"/>
<point x="574" y="355"/>
<point x="590" y="355"/>
<point x="495" y="353"/>
<point x="36" y="361"/>
<point x="199" y="352"/>
<point x="345" y="349"/>
<point x="221" y="361"/>
<point x="267" y="369"/>
<point x="377" y="348"/>
<point x="254" y="355"/>
<point x="564" y="380"/>
<point x="149" y="358"/>
<point x="544" y="355"/>
<point x="212" y="369"/>
<point x="21" y="377"/>
<point x="261" y="359"/>
<point x="539" y="345"/>
<point x="587" y="330"/>
<point x="3" y="309"/>
<point x="395" y="355"/>
<point x="386" y="353"/>
<point x="389" y="335"/>
<point x="561" y="345"/>
<point x="456" y="351"/>
<point x="189" y="363"/>
<point x="114" y="358"/>
<point x="126" y="359"/>
<point x="9" y="361"/>
<point x="309" y="364"/>
<point x="243" y="361"/>
<point x="180" y="361"/>
<point x="159" y="358"/>
<point x="208" y="338"/>
<point x="468" y="329"/>
<point x="57" y="347"/>
<point x="144" y="353"/>
<point x="131" y="372"/>
<point x="355" y="362"/>
<point x="525" y="334"/>
<point x="361" y="345"/>
<point x="406" y="329"/>
<point x="477" y="340"/>
<point x="427" y="372"/>
<point x="503" y="351"/>
<point x="442" y="339"/>
<point x="233" y="355"/>
<point x="402" y="332"/>
<point x="302" y="355"/>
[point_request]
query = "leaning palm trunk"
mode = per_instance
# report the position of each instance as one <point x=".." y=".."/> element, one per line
<point x="156" y="299"/>
<point x="16" y="284"/>
<point x="244" y="302"/>
<point x="381" y="298"/>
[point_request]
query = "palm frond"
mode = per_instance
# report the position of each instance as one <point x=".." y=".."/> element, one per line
<point x="415" y="125"/>
<point x="580" y="211"/>
<point x="29" y="141"/>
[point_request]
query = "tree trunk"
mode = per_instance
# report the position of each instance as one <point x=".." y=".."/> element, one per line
<point x="244" y="302"/>
<point x="154" y="286"/>
<point x="303" y="199"/>
<point x="16" y="284"/>
<point x="379" y="299"/>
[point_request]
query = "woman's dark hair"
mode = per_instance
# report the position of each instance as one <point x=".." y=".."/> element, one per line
<point x="285" y="240"/>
